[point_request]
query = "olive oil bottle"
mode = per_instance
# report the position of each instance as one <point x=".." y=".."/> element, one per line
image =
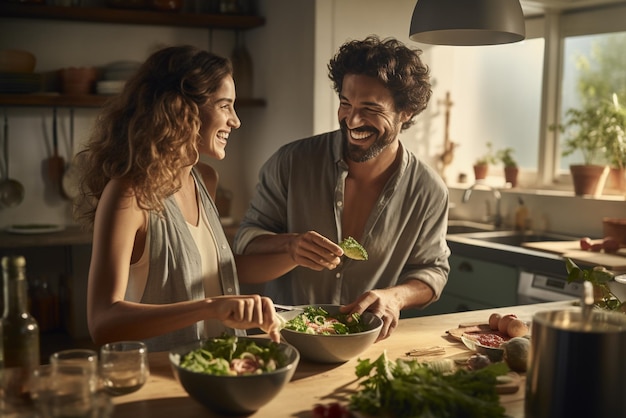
<point x="20" y="332"/>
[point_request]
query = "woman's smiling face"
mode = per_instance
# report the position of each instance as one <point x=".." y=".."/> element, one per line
<point x="218" y="118"/>
<point x="367" y="117"/>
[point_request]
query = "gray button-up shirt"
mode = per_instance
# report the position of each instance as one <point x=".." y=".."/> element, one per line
<point x="301" y="188"/>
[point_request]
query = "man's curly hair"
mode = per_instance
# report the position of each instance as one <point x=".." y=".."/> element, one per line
<point x="398" y="67"/>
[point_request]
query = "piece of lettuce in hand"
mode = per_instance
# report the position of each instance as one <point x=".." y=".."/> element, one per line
<point x="352" y="249"/>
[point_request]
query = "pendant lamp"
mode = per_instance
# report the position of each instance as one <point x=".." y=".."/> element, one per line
<point x="467" y="22"/>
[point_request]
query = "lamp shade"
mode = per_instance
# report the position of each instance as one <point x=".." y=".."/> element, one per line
<point x="467" y="22"/>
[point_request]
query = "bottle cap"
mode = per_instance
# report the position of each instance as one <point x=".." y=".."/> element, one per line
<point x="13" y="264"/>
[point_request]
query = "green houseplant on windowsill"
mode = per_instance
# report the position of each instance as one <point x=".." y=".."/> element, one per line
<point x="510" y="165"/>
<point x="615" y="145"/>
<point x="481" y="165"/>
<point x="585" y="130"/>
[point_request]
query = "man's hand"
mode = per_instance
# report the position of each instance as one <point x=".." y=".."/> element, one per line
<point x="381" y="302"/>
<point x="314" y="251"/>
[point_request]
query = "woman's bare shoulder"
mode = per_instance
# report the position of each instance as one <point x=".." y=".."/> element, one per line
<point x="118" y="206"/>
<point x="210" y="177"/>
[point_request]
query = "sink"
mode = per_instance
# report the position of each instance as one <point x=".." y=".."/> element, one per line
<point x="464" y="227"/>
<point x="516" y="238"/>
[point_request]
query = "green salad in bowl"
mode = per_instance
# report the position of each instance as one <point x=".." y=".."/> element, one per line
<point x="234" y="375"/>
<point x="324" y="334"/>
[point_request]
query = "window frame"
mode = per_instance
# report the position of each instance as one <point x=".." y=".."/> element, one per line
<point x="554" y="27"/>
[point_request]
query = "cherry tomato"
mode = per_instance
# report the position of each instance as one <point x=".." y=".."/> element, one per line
<point x="335" y="410"/>
<point x="585" y="243"/>
<point x="319" y="411"/>
<point x="610" y="245"/>
<point x="596" y="247"/>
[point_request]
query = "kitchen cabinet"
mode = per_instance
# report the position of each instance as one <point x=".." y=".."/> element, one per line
<point x="110" y="15"/>
<point x="474" y="284"/>
<point x="490" y="283"/>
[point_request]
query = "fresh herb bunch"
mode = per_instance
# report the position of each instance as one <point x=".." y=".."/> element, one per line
<point x="216" y="354"/>
<point x="599" y="277"/>
<point x="312" y="315"/>
<point x="352" y="249"/>
<point x="408" y="388"/>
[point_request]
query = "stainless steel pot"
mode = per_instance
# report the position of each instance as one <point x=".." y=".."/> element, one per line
<point x="577" y="368"/>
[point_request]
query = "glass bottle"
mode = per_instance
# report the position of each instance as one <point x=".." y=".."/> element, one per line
<point x="20" y="332"/>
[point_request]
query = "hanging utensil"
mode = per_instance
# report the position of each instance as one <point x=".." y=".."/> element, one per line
<point x="69" y="183"/>
<point x="56" y="165"/>
<point x="11" y="191"/>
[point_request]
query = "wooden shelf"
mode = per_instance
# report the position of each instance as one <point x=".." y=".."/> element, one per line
<point x="91" y="100"/>
<point x="111" y="15"/>
<point x="72" y="235"/>
<point x="142" y="17"/>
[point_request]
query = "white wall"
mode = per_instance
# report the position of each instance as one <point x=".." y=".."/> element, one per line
<point x="63" y="44"/>
<point x="349" y="19"/>
<point x="290" y="54"/>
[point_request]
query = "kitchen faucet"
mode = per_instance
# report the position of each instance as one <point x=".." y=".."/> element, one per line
<point x="497" y="218"/>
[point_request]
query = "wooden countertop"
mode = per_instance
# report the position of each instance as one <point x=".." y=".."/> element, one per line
<point x="162" y="396"/>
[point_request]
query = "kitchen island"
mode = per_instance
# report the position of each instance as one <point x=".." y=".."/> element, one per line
<point x="162" y="396"/>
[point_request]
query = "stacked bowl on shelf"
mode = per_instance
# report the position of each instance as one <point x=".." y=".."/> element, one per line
<point x="114" y="76"/>
<point x="16" y="72"/>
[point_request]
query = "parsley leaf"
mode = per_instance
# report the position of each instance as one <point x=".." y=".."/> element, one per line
<point x="408" y="388"/>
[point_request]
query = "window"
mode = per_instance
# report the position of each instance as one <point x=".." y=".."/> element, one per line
<point x="594" y="68"/>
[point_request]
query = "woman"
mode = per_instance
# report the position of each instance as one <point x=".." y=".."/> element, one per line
<point x="161" y="269"/>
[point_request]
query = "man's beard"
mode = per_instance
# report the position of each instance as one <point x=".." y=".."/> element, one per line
<point x="357" y="153"/>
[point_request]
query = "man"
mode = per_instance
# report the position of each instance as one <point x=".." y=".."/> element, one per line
<point x="360" y="182"/>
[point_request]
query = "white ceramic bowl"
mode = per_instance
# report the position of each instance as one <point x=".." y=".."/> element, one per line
<point x="494" y="354"/>
<point x="333" y="348"/>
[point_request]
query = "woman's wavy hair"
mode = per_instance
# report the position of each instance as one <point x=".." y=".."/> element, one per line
<point x="398" y="67"/>
<point x="149" y="132"/>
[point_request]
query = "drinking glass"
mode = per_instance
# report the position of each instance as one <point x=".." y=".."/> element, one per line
<point x="123" y="367"/>
<point x="75" y="383"/>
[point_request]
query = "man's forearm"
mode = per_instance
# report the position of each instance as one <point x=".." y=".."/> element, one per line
<point x="414" y="293"/>
<point x="270" y="243"/>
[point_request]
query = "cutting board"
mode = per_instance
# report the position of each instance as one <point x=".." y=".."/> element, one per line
<point x="571" y="250"/>
<point x="555" y="247"/>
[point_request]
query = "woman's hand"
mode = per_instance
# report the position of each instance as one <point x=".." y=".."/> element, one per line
<point x="247" y="311"/>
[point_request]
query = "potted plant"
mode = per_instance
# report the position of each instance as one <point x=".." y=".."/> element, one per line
<point x="615" y="145"/>
<point x="510" y="165"/>
<point x="600" y="277"/>
<point x="481" y="166"/>
<point x="585" y="131"/>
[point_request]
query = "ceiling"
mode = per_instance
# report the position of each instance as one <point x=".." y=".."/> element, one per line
<point x="538" y="7"/>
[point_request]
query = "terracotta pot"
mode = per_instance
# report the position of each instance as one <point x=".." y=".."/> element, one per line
<point x="616" y="228"/>
<point x="480" y="171"/>
<point x="588" y="179"/>
<point x="510" y="175"/>
<point x="78" y="81"/>
<point x="616" y="179"/>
